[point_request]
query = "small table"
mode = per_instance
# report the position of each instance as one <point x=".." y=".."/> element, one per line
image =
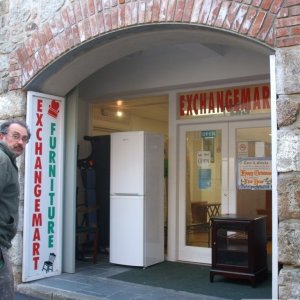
<point x="239" y="247"/>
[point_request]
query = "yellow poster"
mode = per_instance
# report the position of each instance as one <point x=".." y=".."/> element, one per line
<point x="254" y="174"/>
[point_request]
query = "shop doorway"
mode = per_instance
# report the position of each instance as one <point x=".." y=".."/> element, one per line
<point x="212" y="158"/>
<point x="144" y="113"/>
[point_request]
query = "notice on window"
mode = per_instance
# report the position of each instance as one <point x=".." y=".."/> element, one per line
<point x="254" y="174"/>
<point x="243" y="149"/>
<point x="203" y="159"/>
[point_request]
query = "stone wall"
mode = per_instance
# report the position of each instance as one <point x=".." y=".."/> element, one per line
<point x="35" y="33"/>
<point x="13" y="105"/>
<point x="79" y="22"/>
<point x="288" y="165"/>
<point x="18" y="20"/>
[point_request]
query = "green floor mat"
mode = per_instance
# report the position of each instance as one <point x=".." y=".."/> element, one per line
<point x="195" y="279"/>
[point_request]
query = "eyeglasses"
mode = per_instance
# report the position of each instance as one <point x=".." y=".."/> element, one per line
<point x="17" y="137"/>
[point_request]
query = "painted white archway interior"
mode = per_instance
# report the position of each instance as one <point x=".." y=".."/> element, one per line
<point x="155" y="58"/>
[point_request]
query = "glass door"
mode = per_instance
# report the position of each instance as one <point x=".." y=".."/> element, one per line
<point x="252" y="179"/>
<point x="223" y="168"/>
<point x="203" y="188"/>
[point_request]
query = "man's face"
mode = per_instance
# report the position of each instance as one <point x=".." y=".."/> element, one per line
<point x="16" y="138"/>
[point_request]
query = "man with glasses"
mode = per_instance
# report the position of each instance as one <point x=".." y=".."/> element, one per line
<point x="14" y="135"/>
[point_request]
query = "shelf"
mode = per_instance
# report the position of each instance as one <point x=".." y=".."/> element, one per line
<point x="234" y="248"/>
<point x="232" y="258"/>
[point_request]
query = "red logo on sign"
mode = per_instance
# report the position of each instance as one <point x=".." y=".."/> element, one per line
<point x="53" y="109"/>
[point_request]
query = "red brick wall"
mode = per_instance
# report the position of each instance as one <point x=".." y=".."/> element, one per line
<point x="275" y="23"/>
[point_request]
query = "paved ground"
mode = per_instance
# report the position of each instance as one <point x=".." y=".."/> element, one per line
<point x="24" y="297"/>
<point x="93" y="282"/>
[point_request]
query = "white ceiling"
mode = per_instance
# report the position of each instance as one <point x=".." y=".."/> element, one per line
<point x="168" y="64"/>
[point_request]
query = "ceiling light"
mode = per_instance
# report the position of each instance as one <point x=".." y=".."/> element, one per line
<point x="119" y="113"/>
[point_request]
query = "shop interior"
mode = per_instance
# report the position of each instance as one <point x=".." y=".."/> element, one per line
<point x="151" y="114"/>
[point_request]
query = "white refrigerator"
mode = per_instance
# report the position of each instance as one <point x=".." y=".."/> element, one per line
<point x="136" y="199"/>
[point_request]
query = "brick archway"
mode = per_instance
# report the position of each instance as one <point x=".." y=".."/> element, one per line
<point x="83" y="21"/>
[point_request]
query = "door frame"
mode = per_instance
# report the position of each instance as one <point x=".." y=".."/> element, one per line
<point x="70" y="169"/>
<point x="228" y="201"/>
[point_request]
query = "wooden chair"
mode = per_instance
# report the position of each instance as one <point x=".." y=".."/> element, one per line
<point x="201" y="217"/>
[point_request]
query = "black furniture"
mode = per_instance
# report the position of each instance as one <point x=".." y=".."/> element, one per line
<point x="99" y="159"/>
<point x="87" y="232"/>
<point x="239" y="247"/>
<point x="101" y="156"/>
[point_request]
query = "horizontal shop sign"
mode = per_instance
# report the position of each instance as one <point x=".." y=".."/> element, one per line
<point x="233" y="101"/>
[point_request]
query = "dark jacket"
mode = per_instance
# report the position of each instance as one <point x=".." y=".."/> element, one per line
<point x="9" y="196"/>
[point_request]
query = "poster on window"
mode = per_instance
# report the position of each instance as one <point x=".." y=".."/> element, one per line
<point x="204" y="179"/>
<point x="254" y="174"/>
<point x="42" y="243"/>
